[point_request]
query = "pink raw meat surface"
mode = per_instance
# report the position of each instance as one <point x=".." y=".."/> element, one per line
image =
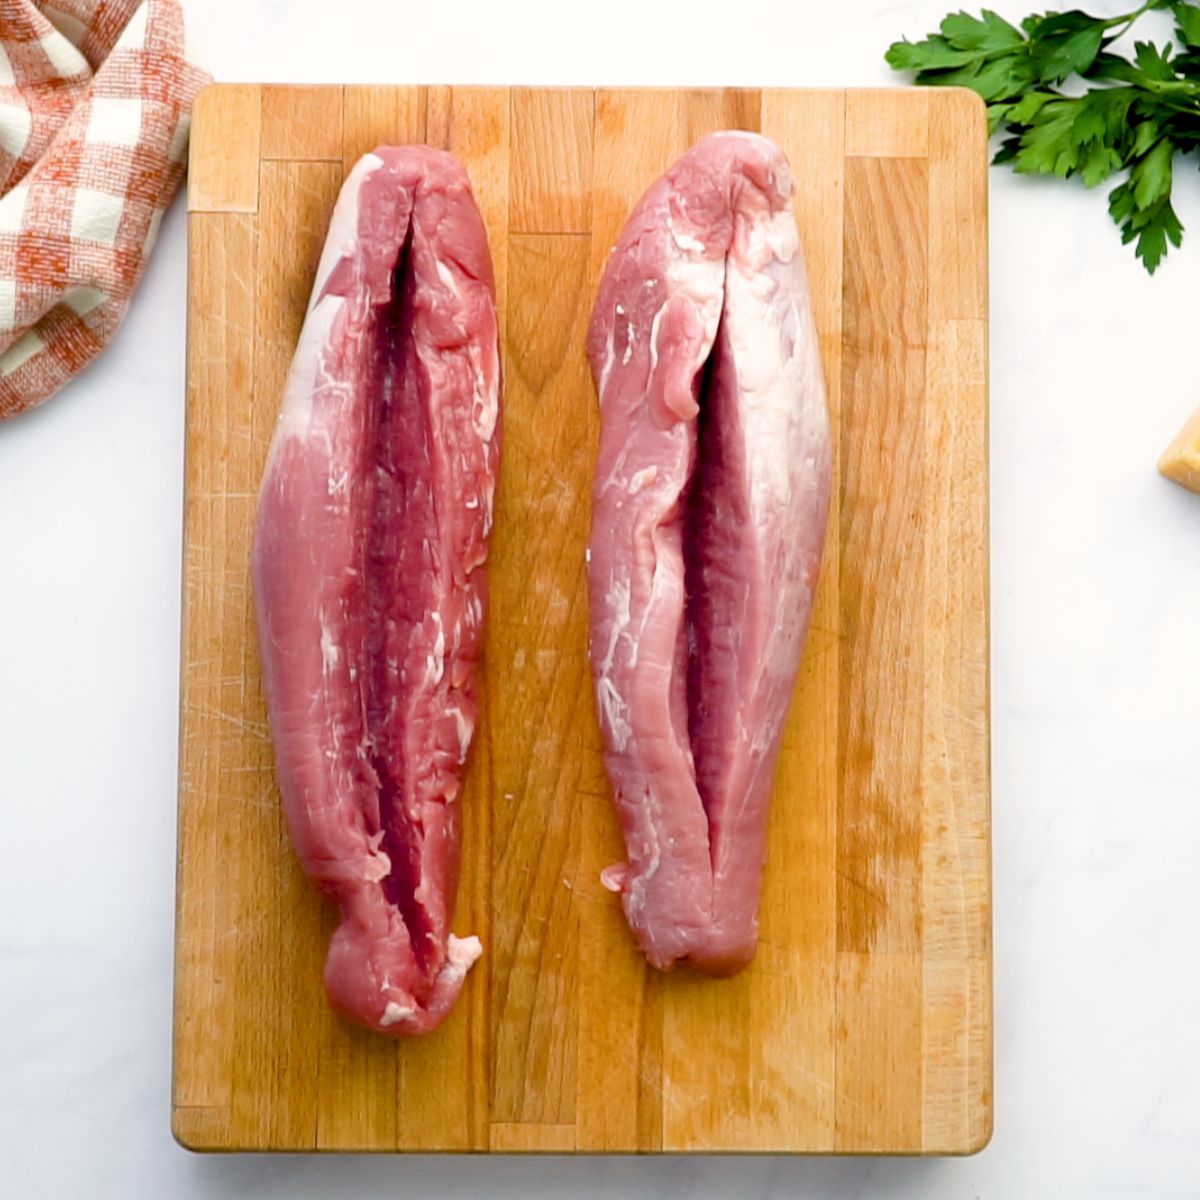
<point x="708" y="522"/>
<point x="369" y="580"/>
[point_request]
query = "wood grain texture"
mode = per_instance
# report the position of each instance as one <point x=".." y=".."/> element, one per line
<point x="537" y="641"/>
<point x="302" y="123"/>
<point x="893" y="123"/>
<point x="707" y="110"/>
<point x="957" y="208"/>
<point x="223" y="170"/>
<point x="551" y="163"/>
<point x="880" y="718"/>
<point x="864" y="1023"/>
<point x="221" y="387"/>
<point x="369" y="118"/>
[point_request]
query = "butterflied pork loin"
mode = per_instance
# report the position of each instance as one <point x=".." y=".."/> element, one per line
<point x="709" y="506"/>
<point x="369" y="549"/>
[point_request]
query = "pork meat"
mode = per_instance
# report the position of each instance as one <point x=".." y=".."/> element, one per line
<point x="708" y="521"/>
<point x="368" y="566"/>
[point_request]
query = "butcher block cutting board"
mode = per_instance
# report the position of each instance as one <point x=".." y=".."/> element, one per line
<point x="865" y="1021"/>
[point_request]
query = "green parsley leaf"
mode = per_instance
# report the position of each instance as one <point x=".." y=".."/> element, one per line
<point x="1134" y="115"/>
<point x="1187" y="23"/>
<point x="997" y="114"/>
<point x="1151" y="176"/>
<point x="987" y="33"/>
<point x="1028" y="107"/>
<point x="1155" y="64"/>
<point x="1113" y="66"/>
<point x="1064" y="44"/>
<point x="1046" y="147"/>
<point x="1153" y="229"/>
<point x="1120" y="203"/>
<point x="1001" y="78"/>
<point x="1099" y="162"/>
<point x="1089" y="124"/>
<point x="1145" y="134"/>
<point x="933" y="54"/>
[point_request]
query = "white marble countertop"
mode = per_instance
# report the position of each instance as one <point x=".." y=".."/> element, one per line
<point x="1096" y="713"/>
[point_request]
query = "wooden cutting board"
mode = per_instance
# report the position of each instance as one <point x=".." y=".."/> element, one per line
<point x="865" y="1022"/>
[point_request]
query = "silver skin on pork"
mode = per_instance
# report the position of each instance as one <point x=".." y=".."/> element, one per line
<point x="369" y="582"/>
<point x="709" y="504"/>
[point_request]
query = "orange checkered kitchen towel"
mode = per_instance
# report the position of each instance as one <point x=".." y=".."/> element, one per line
<point x="94" y="104"/>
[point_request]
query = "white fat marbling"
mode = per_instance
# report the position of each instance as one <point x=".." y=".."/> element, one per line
<point x="1095" y="591"/>
<point x="394" y="1013"/>
<point x="435" y="660"/>
<point x="342" y="237"/>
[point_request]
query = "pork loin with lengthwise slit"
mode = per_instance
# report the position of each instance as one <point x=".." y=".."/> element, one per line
<point x="369" y="552"/>
<point x="709" y="504"/>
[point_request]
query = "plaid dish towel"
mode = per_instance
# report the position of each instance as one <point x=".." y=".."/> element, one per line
<point x="94" y="104"/>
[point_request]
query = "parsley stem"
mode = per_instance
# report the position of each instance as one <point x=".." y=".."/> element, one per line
<point x="1168" y="87"/>
<point x="1127" y="19"/>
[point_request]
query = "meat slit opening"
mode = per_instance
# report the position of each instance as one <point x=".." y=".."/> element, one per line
<point x="715" y="584"/>
<point x="400" y="507"/>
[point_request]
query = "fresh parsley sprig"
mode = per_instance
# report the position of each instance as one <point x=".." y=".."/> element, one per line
<point x="1134" y="115"/>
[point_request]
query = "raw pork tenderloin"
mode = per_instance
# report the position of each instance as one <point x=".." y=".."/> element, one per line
<point x="708" y="521"/>
<point x="369" y="583"/>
